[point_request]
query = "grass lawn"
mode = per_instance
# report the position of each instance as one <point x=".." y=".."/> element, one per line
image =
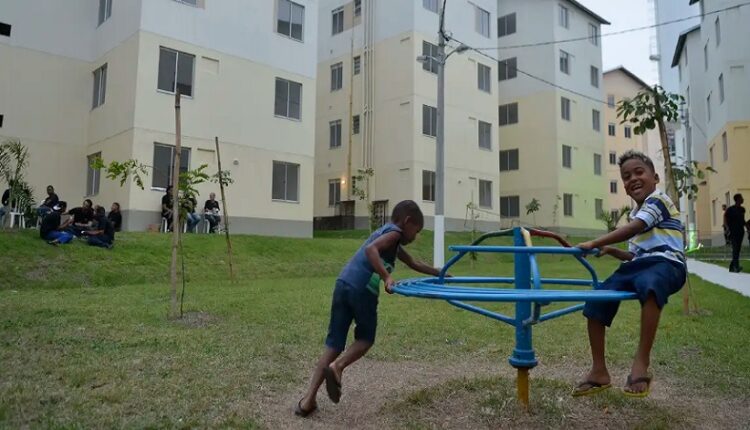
<point x="85" y="343"/>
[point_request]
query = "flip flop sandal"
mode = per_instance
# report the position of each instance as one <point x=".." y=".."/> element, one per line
<point x="630" y="382"/>
<point x="333" y="387"/>
<point x="594" y="387"/>
<point x="304" y="413"/>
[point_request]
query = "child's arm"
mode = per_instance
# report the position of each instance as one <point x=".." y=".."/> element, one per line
<point x="616" y="252"/>
<point x="373" y="250"/>
<point x="416" y="265"/>
<point x="618" y="235"/>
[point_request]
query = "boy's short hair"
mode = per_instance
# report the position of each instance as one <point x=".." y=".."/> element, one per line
<point x="737" y="197"/>
<point x="100" y="211"/>
<point x="407" y="208"/>
<point x="636" y="155"/>
<point x="117" y="204"/>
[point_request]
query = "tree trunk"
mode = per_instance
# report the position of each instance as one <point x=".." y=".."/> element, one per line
<point x="226" y="214"/>
<point x="173" y="309"/>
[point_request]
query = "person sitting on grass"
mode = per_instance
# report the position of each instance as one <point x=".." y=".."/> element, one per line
<point x="653" y="268"/>
<point x="103" y="235"/>
<point x="52" y="230"/>
<point x="83" y="217"/>
<point x="355" y="298"/>
<point x="49" y="202"/>
<point x="115" y="217"/>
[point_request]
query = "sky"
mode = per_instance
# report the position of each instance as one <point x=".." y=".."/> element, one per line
<point x="631" y="50"/>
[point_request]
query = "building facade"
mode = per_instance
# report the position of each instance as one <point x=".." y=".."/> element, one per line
<point x="713" y="62"/>
<point x="83" y="79"/>
<point x="509" y="137"/>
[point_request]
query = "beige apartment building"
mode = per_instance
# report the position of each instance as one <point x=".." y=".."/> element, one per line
<point x="82" y="79"/>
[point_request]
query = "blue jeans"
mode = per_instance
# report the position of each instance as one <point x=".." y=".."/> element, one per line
<point x="60" y="236"/>
<point x="192" y="220"/>
<point x="99" y="241"/>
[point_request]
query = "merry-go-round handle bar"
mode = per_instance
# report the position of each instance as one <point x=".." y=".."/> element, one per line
<point x="524" y="250"/>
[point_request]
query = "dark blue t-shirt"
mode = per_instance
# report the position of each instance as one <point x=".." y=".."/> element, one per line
<point x="358" y="270"/>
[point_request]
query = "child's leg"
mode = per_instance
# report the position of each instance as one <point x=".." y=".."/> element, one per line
<point x="308" y="402"/>
<point x="355" y="351"/>
<point x="598" y="372"/>
<point x="650" y="314"/>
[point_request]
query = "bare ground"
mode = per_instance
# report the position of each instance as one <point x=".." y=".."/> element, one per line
<point x="372" y="389"/>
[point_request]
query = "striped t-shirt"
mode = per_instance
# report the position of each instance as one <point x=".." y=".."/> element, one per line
<point x="663" y="233"/>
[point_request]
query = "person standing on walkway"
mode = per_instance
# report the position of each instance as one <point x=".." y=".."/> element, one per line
<point x="735" y="216"/>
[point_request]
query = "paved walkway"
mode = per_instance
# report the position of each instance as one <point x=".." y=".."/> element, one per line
<point x="720" y="275"/>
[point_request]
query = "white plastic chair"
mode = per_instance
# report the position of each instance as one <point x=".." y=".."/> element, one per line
<point x="21" y="219"/>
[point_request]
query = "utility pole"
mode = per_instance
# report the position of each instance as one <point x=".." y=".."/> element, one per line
<point x="438" y="258"/>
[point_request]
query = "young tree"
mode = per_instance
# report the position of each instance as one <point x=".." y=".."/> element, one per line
<point x="363" y="192"/>
<point x="532" y="207"/>
<point x="14" y="160"/>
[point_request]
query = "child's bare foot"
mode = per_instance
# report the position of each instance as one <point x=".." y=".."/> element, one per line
<point x="333" y="382"/>
<point x="595" y="381"/>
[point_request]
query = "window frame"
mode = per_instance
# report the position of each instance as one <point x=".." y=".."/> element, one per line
<point x="288" y="83"/>
<point x="484" y="74"/>
<point x="508" y="156"/>
<point x="356" y="123"/>
<point x="594" y="71"/>
<point x="725" y="146"/>
<point x="337" y="20"/>
<point x="178" y="54"/>
<point x="334" y="185"/>
<point x="428" y="4"/>
<point x="596" y="120"/>
<point x="507" y="206"/>
<point x="291" y="23"/>
<point x="611" y="101"/>
<point x="431" y="112"/>
<point x="107" y="9"/>
<point x="481" y="18"/>
<point x="564" y="62"/>
<point x="612" y="158"/>
<point x="507" y="69"/>
<point x="613" y="189"/>
<point x="430" y="51"/>
<point x="506" y="20"/>
<point x="184" y="150"/>
<point x="628" y="132"/>
<point x="565" y="107"/>
<point x="100" y="87"/>
<point x="721" y="88"/>
<point x="286" y="165"/>
<point x="429" y="186"/>
<point x="483" y="183"/>
<point x="567" y="150"/>
<point x="563" y="16"/>
<point x="337" y="76"/>
<point x="568" y="207"/>
<point x="93" y="176"/>
<point x="357" y="64"/>
<point x="597" y="164"/>
<point x="612" y="129"/>
<point x="510" y="109"/>
<point x="487" y="133"/>
<point x="594" y="34"/>
<point x="334" y="134"/>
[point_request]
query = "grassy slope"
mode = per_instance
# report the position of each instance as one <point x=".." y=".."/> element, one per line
<point x="84" y="339"/>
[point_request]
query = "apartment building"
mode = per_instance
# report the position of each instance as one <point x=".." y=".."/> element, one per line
<point x="368" y="71"/>
<point x="620" y="84"/>
<point x="713" y="63"/>
<point x="510" y="138"/>
<point x="82" y="78"/>
<point x="552" y="129"/>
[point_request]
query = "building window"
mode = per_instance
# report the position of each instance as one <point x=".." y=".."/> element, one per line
<point x="482" y="18"/>
<point x="594" y="77"/>
<point x="100" y="86"/>
<point x="565" y="108"/>
<point x="285" y="182"/>
<point x="598" y="164"/>
<point x="568" y="204"/>
<point x="612" y="158"/>
<point x="430" y="51"/>
<point x="506" y="69"/>
<point x="355" y="124"/>
<point x="717" y="27"/>
<point x="564" y="62"/>
<point x="705" y="56"/>
<point x="190" y="2"/>
<point x="563" y="16"/>
<point x="428" y="186"/>
<point x="334" y="135"/>
<point x="613" y="187"/>
<point x="337" y="76"/>
<point x="610" y="100"/>
<point x="105" y="10"/>
<point x="485" y="194"/>
<point x="679" y="72"/>
<point x="721" y="88"/>
<point x="611" y="129"/>
<point x="510" y="206"/>
<point x="5" y="29"/>
<point x="726" y="199"/>
<point x="176" y="71"/>
<point x="357" y="8"/>
<point x="724" y="146"/>
<point x="92" y="175"/>
<point x="708" y="107"/>
<point x="163" y="166"/>
<point x="713" y="210"/>
<point x="334" y="192"/>
<point x="594" y="34"/>
<point x="711" y="156"/>
<point x="509" y="160"/>
<point x="429" y="120"/>
<point x="596" y="120"/>
<point x="567" y="156"/>
<point x="598" y="208"/>
<point x="288" y="99"/>
<point x="628" y="132"/>
<point x="485" y="135"/>
<point x="506" y="25"/>
<point x="337" y="21"/>
<point x="1" y="120"/>
<point x="291" y="19"/>
<point x="431" y="5"/>
<point x="357" y="64"/>
<point x="484" y="79"/>
<point x="508" y="114"/>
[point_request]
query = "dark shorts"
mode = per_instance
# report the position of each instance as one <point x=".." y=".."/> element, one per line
<point x="649" y="275"/>
<point x="352" y="304"/>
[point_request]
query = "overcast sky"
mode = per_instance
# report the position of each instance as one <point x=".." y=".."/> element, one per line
<point x="631" y="49"/>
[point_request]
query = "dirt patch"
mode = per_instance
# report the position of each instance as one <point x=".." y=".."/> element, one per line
<point x="196" y="319"/>
<point x="482" y="395"/>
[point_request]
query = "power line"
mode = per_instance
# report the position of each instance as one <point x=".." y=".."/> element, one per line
<point x="614" y="33"/>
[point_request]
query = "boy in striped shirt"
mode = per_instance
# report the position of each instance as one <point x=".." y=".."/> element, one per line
<point x="653" y="268"/>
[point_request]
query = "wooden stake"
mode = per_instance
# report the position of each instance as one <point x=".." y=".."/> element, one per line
<point x="174" y="311"/>
<point x="226" y="214"/>
<point x="522" y="386"/>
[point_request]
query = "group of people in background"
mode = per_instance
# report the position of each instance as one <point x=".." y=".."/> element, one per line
<point x="189" y="205"/>
<point x="734" y="230"/>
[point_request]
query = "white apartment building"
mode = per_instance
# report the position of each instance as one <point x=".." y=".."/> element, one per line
<point x="713" y="63"/>
<point x="85" y="78"/>
<point x="509" y="137"/>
